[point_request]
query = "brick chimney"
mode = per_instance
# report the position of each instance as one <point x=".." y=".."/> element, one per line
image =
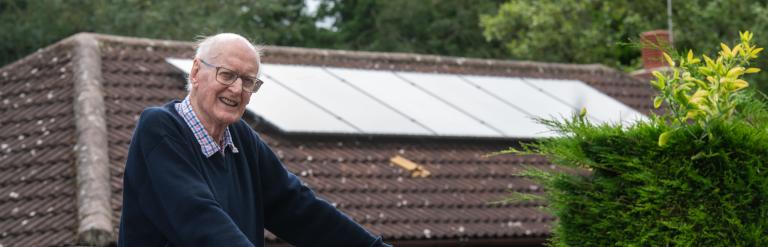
<point x="653" y="43"/>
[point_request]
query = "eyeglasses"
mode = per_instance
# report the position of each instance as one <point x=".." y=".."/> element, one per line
<point x="228" y="77"/>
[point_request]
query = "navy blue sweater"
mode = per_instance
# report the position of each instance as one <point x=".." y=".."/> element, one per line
<point x="174" y="196"/>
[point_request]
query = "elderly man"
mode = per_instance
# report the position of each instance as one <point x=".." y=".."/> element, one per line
<point x="198" y="175"/>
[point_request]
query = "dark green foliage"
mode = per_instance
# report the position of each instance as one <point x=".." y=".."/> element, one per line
<point x="33" y="24"/>
<point x="447" y="27"/>
<point x="574" y="31"/>
<point x="595" y="31"/>
<point x="706" y="187"/>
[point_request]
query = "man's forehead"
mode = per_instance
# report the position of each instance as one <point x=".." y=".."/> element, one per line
<point x="234" y="46"/>
<point x="232" y="54"/>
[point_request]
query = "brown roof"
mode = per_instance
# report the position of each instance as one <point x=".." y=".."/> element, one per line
<point x="37" y="173"/>
<point x="47" y="154"/>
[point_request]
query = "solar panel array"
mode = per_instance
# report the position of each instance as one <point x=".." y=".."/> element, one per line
<point x="314" y="99"/>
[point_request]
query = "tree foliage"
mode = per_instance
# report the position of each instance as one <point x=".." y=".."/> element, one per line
<point x="433" y="27"/>
<point x="33" y="24"/>
<point x="596" y="31"/>
<point x="573" y="31"/>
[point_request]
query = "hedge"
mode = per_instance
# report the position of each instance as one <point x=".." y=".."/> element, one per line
<point x="693" y="176"/>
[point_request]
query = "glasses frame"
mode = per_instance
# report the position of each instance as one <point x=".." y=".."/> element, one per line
<point x="256" y="81"/>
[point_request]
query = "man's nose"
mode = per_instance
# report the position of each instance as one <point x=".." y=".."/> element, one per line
<point x="235" y="86"/>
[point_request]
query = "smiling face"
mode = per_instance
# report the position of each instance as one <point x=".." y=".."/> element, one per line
<point x="218" y="105"/>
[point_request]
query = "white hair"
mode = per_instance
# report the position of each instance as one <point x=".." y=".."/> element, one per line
<point x="206" y="43"/>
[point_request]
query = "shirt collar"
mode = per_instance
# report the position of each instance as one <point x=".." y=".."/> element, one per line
<point x="207" y="144"/>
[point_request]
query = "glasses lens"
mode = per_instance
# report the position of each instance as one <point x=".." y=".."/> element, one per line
<point x="247" y="82"/>
<point x="226" y="76"/>
<point x="253" y="84"/>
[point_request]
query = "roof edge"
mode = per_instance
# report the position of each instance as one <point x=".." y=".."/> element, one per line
<point x="94" y="209"/>
<point x="398" y="57"/>
<point x="139" y="41"/>
<point x="390" y="57"/>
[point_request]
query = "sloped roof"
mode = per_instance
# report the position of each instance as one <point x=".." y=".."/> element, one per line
<point x="50" y="173"/>
<point x="37" y="173"/>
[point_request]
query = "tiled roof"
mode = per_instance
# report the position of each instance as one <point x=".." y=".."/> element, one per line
<point x="38" y="167"/>
<point x="37" y="135"/>
<point x="453" y="202"/>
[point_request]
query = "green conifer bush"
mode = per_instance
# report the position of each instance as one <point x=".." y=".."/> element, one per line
<point x="696" y="175"/>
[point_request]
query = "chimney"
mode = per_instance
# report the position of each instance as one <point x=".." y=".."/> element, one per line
<point x="653" y="44"/>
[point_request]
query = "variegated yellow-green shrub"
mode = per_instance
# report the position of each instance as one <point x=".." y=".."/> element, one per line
<point x="702" y="92"/>
<point x="692" y="176"/>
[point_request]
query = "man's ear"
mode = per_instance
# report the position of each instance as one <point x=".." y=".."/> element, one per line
<point x="194" y="71"/>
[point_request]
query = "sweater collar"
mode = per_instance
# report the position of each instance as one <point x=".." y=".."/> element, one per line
<point x="207" y="144"/>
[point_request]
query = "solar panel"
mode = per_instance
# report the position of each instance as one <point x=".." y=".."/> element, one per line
<point x="301" y="99"/>
<point x="578" y="95"/>
<point x="185" y="65"/>
<point x="517" y="92"/>
<point x="292" y="113"/>
<point x="417" y="104"/>
<point x="358" y="109"/>
<point x="507" y="120"/>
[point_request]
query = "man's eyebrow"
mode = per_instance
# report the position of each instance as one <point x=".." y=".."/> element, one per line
<point x="255" y="75"/>
<point x="250" y="74"/>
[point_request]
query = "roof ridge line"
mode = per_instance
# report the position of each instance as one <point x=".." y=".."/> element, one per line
<point x="428" y="58"/>
<point x="94" y="209"/>
<point x="374" y="55"/>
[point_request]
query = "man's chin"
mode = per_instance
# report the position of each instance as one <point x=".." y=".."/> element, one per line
<point x="230" y="118"/>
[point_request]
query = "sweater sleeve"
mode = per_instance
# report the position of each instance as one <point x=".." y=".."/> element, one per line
<point x="173" y="193"/>
<point x="295" y="214"/>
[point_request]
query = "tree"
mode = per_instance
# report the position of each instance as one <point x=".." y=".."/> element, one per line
<point x="30" y="25"/>
<point x="594" y="31"/>
<point x="573" y="31"/>
<point x="432" y="27"/>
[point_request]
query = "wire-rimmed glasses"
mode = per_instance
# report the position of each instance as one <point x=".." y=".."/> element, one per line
<point x="228" y="77"/>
